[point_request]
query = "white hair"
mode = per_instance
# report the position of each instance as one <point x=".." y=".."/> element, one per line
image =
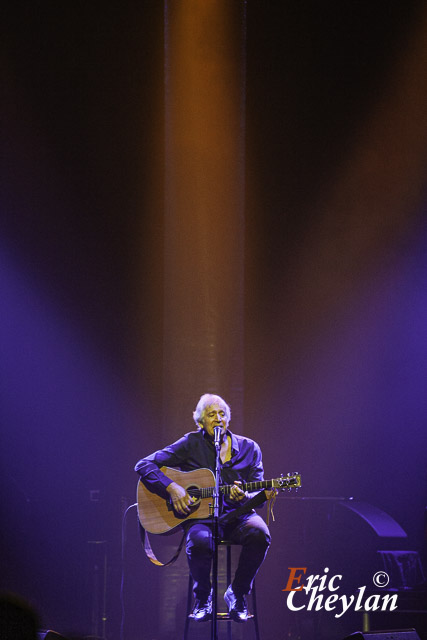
<point x="205" y="401"/>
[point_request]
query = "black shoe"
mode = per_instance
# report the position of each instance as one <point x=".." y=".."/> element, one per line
<point x="236" y="606"/>
<point x="202" y="609"/>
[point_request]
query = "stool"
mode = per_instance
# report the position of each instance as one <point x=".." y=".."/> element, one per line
<point x="222" y="617"/>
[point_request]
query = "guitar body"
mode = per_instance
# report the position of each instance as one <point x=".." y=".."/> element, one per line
<point x="156" y="513"/>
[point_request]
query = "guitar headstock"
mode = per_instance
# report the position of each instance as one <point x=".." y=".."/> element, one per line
<point x="290" y="481"/>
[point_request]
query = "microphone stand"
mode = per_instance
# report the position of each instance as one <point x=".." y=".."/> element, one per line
<point x="215" y="535"/>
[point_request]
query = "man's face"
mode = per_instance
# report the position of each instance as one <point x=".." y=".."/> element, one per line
<point x="215" y="416"/>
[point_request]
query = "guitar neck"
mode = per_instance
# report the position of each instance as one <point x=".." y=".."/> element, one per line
<point x="288" y="482"/>
<point x="225" y="489"/>
<point x="249" y="486"/>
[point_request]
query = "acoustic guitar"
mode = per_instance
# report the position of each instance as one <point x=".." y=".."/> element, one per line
<point x="157" y="515"/>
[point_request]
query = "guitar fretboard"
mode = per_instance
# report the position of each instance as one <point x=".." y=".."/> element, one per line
<point x="207" y="492"/>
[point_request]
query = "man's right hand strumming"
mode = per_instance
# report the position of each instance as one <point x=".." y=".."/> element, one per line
<point x="181" y="501"/>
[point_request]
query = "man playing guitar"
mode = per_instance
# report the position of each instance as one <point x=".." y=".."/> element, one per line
<point x="241" y="463"/>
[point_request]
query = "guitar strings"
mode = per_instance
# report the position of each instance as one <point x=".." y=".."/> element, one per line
<point x="206" y="492"/>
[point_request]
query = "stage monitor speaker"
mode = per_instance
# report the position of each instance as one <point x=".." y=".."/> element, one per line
<point x="398" y="634"/>
<point x="49" y="635"/>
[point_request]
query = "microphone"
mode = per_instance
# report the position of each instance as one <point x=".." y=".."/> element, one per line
<point x="217" y="436"/>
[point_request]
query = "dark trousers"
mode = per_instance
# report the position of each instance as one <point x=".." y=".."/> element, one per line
<point x="250" y="531"/>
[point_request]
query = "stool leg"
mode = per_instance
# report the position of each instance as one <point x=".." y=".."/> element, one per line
<point x="228" y="583"/>
<point x="189" y="600"/>
<point x="255" y="611"/>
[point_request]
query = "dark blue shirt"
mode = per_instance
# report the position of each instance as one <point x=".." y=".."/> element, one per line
<point x="195" y="450"/>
